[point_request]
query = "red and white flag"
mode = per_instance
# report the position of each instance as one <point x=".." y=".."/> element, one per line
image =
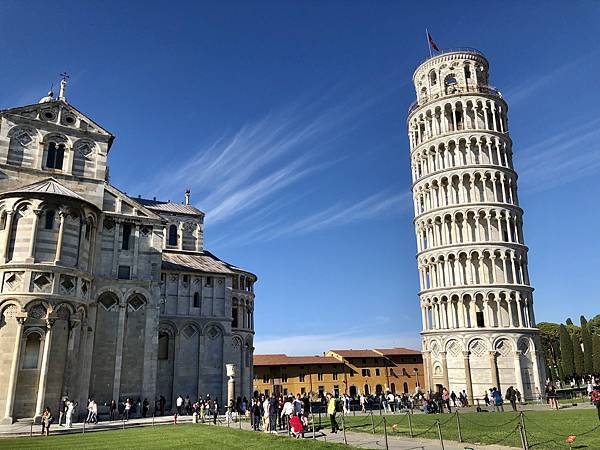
<point x="432" y="43"/>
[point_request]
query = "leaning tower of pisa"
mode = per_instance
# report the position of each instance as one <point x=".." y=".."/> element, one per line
<point x="477" y="304"/>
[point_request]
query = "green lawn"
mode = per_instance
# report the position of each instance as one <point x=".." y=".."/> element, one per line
<point x="545" y="429"/>
<point x="166" y="436"/>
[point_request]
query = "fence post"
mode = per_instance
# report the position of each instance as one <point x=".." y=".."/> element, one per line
<point x="123" y="423"/>
<point x="31" y="430"/>
<point x="460" y="439"/>
<point x="524" y="431"/>
<point x="372" y="421"/>
<point x="344" y="428"/>
<point x="385" y="432"/>
<point x="437" y="422"/>
<point x="84" y="427"/>
<point x="410" y="430"/>
<point x="153" y="418"/>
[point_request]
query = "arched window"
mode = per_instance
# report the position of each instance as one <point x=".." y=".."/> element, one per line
<point x="367" y="390"/>
<point x="234" y="317"/>
<point x="55" y="156"/>
<point x="405" y="387"/>
<point x="450" y="83"/>
<point x="3" y="220"/>
<point x="49" y="219"/>
<point x="32" y="351"/>
<point x="432" y="78"/>
<point x="393" y="387"/>
<point x="163" y="346"/>
<point x="173" y="235"/>
<point x="196" y="300"/>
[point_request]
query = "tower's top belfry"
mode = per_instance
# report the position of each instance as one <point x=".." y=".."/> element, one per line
<point x="451" y="72"/>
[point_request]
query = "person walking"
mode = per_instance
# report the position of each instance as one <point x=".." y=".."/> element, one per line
<point x="94" y="411"/>
<point x="179" y="403"/>
<point x="446" y="399"/>
<point x="112" y="409"/>
<point x="62" y="409"/>
<point x="453" y="397"/>
<point x="595" y="397"/>
<point x="69" y="414"/>
<point x="266" y="406"/>
<point x="331" y="411"/>
<point x="498" y="400"/>
<point x="46" y="421"/>
<point x="145" y="405"/>
<point x="511" y="396"/>
<point x="127" y="409"/>
<point x="552" y="396"/>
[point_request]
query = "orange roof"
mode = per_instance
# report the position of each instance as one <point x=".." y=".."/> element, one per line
<point x="281" y="359"/>
<point x="397" y="351"/>
<point x="365" y="353"/>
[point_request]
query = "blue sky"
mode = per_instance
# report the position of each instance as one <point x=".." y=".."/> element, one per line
<point x="287" y="120"/>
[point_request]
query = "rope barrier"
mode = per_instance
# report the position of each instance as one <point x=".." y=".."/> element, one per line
<point x="473" y="422"/>
<point x="515" y="430"/>
<point x="426" y="431"/>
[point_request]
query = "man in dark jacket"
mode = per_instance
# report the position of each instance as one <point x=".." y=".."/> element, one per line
<point x="511" y="396"/>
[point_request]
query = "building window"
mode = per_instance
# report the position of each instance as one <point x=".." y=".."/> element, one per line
<point x="321" y="391"/>
<point x="377" y="373"/>
<point x="335" y="376"/>
<point x="351" y="372"/>
<point x="163" y="346"/>
<point x="32" y="351"/>
<point x="266" y="378"/>
<point x="336" y="391"/>
<point x="284" y="377"/>
<point x="196" y="300"/>
<point x="56" y="155"/>
<point x="480" y="322"/>
<point x="285" y="392"/>
<point x="301" y="378"/>
<point x="366" y="372"/>
<point x="209" y="281"/>
<point x="234" y="317"/>
<point x="302" y="391"/>
<point x="405" y="387"/>
<point x="126" y="236"/>
<point x="320" y="376"/>
<point x="124" y="273"/>
<point x="173" y="235"/>
<point x="49" y="220"/>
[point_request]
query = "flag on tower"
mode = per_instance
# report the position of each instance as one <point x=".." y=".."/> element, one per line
<point x="432" y="42"/>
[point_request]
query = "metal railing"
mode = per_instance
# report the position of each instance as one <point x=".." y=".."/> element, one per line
<point x="444" y="51"/>
<point x="483" y="89"/>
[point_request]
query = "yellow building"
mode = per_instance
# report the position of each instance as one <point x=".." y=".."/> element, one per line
<point x="353" y="372"/>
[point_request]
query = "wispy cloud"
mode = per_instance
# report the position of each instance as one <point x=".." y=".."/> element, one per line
<point x="242" y="171"/>
<point x="377" y="205"/>
<point x="569" y="154"/>
<point x="520" y="91"/>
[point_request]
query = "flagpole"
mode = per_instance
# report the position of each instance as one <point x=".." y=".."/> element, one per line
<point x="428" y="43"/>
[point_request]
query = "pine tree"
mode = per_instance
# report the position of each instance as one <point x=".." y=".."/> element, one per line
<point x="578" y="356"/>
<point x="586" y="338"/>
<point x="569" y="321"/>
<point x="566" y="353"/>
<point x="596" y="350"/>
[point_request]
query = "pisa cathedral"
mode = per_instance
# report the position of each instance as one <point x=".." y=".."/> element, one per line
<point x="103" y="295"/>
<point x="479" y="326"/>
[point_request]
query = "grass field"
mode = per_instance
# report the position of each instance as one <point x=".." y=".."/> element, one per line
<point x="164" y="437"/>
<point x="546" y="430"/>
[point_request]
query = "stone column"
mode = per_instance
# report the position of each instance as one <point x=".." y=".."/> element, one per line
<point x="41" y="392"/>
<point x="519" y="373"/>
<point x="61" y="234"/>
<point x="34" y="229"/>
<point x="7" y="233"/>
<point x="494" y="370"/>
<point x="468" y="381"/>
<point x="536" y="371"/>
<point x="445" y="369"/>
<point x="14" y="371"/>
<point x="119" y="350"/>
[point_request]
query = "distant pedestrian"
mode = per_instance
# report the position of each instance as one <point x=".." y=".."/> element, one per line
<point x="595" y="397"/>
<point x="127" y="409"/>
<point x="112" y="410"/>
<point x="46" y="421"/>
<point x="62" y="409"/>
<point x="179" y="404"/>
<point x="69" y="414"/>
<point x="331" y="411"/>
<point x="511" y="396"/>
<point x="145" y="405"/>
<point x="453" y="397"/>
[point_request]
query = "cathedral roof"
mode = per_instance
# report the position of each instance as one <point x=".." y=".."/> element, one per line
<point x="168" y="206"/>
<point x="47" y="186"/>
<point x="194" y="262"/>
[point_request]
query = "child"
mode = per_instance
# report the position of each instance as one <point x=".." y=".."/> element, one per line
<point x="296" y="427"/>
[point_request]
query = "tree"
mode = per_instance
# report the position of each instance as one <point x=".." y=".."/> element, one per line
<point x="549" y="336"/>
<point x="596" y="349"/>
<point x="569" y="321"/>
<point x="586" y="338"/>
<point x="566" y="352"/>
<point x="578" y="356"/>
